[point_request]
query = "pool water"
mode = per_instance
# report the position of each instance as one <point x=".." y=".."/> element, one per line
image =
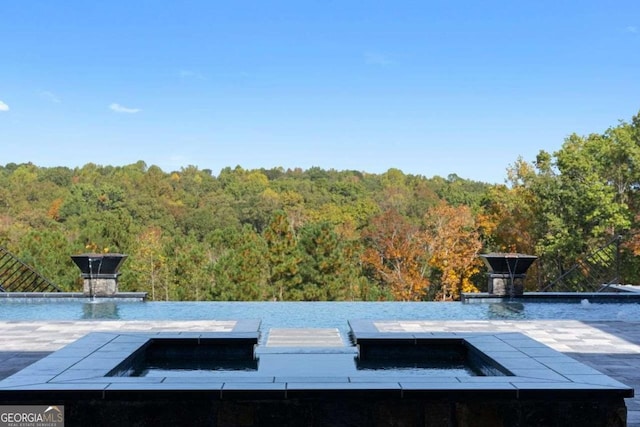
<point x="189" y="368"/>
<point x="232" y="357"/>
<point x="309" y="314"/>
<point x="431" y="368"/>
<point x="216" y="368"/>
<point x="190" y="356"/>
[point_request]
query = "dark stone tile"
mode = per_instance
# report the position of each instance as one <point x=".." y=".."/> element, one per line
<point x="97" y="363"/>
<point x="497" y="379"/>
<point x="247" y="325"/>
<point x="363" y="336"/>
<point x="467" y="386"/>
<point x="291" y="379"/>
<point x="56" y="363"/>
<point x="572" y="368"/>
<point x="77" y="352"/>
<point x="164" y="387"/>
<point x="288" y="375"/>
<point x="376" y="379"/>
<point x="539" y="352"/>
<point x="463" y="391"/>
<point x="491" y="345"/>
<point x="359" y="326"/>
<point x="306" y="364"/>
<point x="122" y="346"/>
<point x="78" y="375"/>
<point x="413" y="379"/>
<point x="64" y="387"/>
<point x="518" y="340"/>
<point x="108" y="354"/>
<point x="258" y="386"/>
<point x="17" y="382"/>
<point x="398" y="336"/>
<point x="260" y="350"/>
<point x="598" y="379"/>
<point x="505" y="354"/>
<point x="248" y="336"/>
<point x="513" y="364"/>
<point x="110" y="380"/>
<point x="132" y="338"/>
<point x="222" y="379"/>
<point x="349" y="386"/>
<point x="539" y="374"/>
<point x="564" y="390"/>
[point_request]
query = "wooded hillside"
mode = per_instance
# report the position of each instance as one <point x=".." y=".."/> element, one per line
<point x="324" y="234"/>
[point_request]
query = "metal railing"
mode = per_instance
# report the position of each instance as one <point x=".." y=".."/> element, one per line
<point x="16" y="276"/>
<point x="593" y="273"/>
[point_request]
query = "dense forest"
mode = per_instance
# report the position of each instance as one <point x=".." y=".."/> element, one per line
<point x="275" y="234"/>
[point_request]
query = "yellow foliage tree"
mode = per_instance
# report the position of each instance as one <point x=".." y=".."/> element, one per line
<point x="148" y="262"/>
<point x="453" y="244"/>
<point x="396" y="253"/>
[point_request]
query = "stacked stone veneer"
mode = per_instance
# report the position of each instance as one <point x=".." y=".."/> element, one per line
<point x="500" y="284"/>
<point x="100" y="287"/>
<point x="99" y="273"/>
<point x="507" y="272"/>
<point x="331" y="409"/>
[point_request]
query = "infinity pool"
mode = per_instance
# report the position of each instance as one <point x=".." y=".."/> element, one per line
<point x="309" y="314"/>
<point x="499" y="379"/>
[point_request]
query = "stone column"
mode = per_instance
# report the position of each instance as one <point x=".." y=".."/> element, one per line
<point x="99" y="273"/>
<point x="507" y="272"/>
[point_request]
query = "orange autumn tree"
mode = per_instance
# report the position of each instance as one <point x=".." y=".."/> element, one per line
<point x="396" y="255"/>
<point x="453" y="244"/>
<point x="632" y="241"/>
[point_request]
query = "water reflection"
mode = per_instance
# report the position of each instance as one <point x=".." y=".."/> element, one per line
<point x="305" y="314"/>
<point x="506" y="310"/>
<point x="100" y="310"/>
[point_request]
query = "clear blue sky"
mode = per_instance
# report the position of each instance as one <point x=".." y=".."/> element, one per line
<point x="429" y="87"/>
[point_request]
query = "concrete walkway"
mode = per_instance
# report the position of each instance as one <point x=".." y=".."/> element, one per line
<point x="612" y="347"/>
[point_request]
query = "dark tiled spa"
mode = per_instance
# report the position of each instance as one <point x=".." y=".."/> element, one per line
<point x="389" y="377"/>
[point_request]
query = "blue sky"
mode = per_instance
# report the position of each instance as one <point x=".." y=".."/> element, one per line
<point x="429" y="87"/>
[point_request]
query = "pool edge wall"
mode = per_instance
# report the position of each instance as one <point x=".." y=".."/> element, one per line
<point x="73" y="296"/>
<point x="75" y="377"/>
<point x="322" y="408"/>
<point x="551" y="297"/>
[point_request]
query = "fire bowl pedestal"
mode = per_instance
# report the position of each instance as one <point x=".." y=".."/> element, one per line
<point x="99" y="273"/>
<point x="507" y="272"/>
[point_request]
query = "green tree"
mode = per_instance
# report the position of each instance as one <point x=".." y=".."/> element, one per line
<point x="283" y="258"/>
<point x="191" y="270"/>
<point x="328" y="266"/>
<point x="48" y="252"/>
<point x="579" y="197"/>
<point x="241" y="268"/>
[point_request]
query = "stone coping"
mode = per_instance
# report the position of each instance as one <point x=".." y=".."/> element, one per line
<point x="550" y="297"/>
<point x="80" y="370"/>
<point x="534" y="366"/>
<point x="136" y="296"/>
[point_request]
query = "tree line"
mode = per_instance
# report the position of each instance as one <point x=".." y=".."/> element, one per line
<point x="315" y="234"/>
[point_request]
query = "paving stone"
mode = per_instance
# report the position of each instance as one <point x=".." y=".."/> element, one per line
<point x="304" y="337"/>
<point x="611" y="347"/>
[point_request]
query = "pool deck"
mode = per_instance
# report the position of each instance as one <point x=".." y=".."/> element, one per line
<point x="611" y="347"/>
